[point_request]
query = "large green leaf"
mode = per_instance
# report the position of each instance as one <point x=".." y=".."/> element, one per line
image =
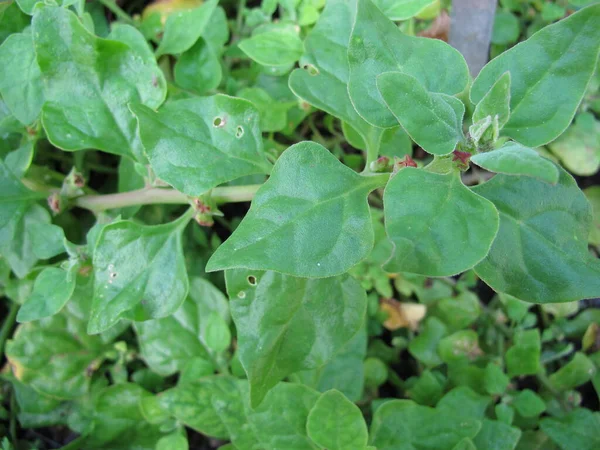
<point x="402" y="424"/>
<point x="514" y="159"/>
<point x="169" y="344"/>
<point x="378" y="46"/>
<point x="402" y="9"/>
<point x="310" y="219"/>
<point x="197" y="144"/>
<point x="139" y="272"/>
<point x="549" y="75"/>
<point x="184" y="27"/>
<point x="100" y="76"/>
<point x="21" y="84"/>
<point x="540" y="253"/>
<point x="439" y="226"/>
<point x="199" y="68"/>
<point x="576" y="429"/>
<point x="335" y="423"/>
<point x="287" y="324"/>
<point x="434" y="121"/>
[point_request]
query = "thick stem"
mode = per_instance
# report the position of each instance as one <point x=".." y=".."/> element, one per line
<point x="8" y="324"/>
<point x="149" y="196"/>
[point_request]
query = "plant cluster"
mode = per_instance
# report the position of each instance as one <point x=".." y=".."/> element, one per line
<point x="412" y="270"/>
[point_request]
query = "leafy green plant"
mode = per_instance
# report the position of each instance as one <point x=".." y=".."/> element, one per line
<point x="156" y="311"/>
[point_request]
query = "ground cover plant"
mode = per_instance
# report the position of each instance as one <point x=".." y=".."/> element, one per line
<point x="298" y="224"/>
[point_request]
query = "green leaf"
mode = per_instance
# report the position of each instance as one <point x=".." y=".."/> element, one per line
<point x="37" y="410"/>
<point x="495" y="379"/>
<point x="197" y="144"/>
<point x="439" y="226"/>
<point x="514" y="159"/>
<point x="424" y="346"/>
<point x="21" y="84"/>
<point x="495" y="102"/>
<point x="301" y="323"/>
<point x="183" y="28"/>
<point x="434" y="121"/>
<point x="167" y="345"/>
<point x="335" y="423"/>
<point x="496" y="435"/>
<point x="528" y="403"/>
<point x="52" y="355"/>
<point x="332" y="218"/>
<point x="459" y="346"/>
<point x="579" y="147"/>
<point x="428" y="389"/>
<point x="139" y="273"/>
<point x="576" y="372"/>
<point x="548" y="78"/>
<point x="12" y="20"/>
<point x="199" y="68"/>
<point x="458" y="312"/>
<point x="378" y="46"/>
<point x="402" y="9"/>
<point x="101" y="77"/>
<point x="273" y="113"/>
<point x="540" y="253"/>
<point x="523" y="357"/>
<point x="217" y="335"/>
<point x="577" y="429"/>
<point x="462" y="402"/>
<point x="52" y="289"/>
<point x="175" y="441"/>
<point x="400" y="424"/>
<point x="506" y="28"/>
<point x="47" y="240"/>
<point x="275" y="47"/>
<point x="323" y="79"/>
<point x="593" y="195"/>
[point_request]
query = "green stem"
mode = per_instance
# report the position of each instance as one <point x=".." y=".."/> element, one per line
<point x="75" y="443"/>
<point x="372" y="142"/>
<point x="8" y="324"/>
<point x="149" y="196"/>
<point x="117" y="11"/>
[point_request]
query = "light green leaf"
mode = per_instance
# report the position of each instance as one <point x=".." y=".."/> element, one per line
<point x="548" y="77"/>
<point x="495" y="102"/>
<point x="439" y="226"/>
<point x="495" y="380"/>
<point x="216" y="334"/>
<point x="37" y="410"/>
<point x="540" y="253"/>
<point x="275" y="47"/>
<point x="323" y="80"/>
<point x="332" y="218"/>
<point x="496" y="435"/>
<point x="579" y="370"/>
<point x="378" y="46"/>
<point x="169" y="344"/>
<point x="577" y="429"/>
<point x="101" y="76"/>
<point x="514" y="159"/>
<point x="183" y="28"/>
<point x="21" y="84"/>
<point x="19" y="160"/>
<point x="459" y="346"/>
<point x="199" y="68"/>
<point x="506" y="28"/>
<point x="273" y="113"/>
<point x="579" y="147"/>
<point x="47" y="240"/>
<point x="175" y="441"/>
<point x="528" y="404"/>
<point x="424" y="346"/>
<point x="434" y="121"/>
<point x="523" y="357"/>
<point x="53" y="287"/>
<point x="593" y="195"/>
<point x="335" y="423"/>
<point x="401" y="424"/>
<point x="287" y="324"/>
<point x="458" y="312"/>
<point x="402" y="9"/>
<point x="197" y="144"/>
<point x="464" y="402"/>
<point x="139" y="273"/>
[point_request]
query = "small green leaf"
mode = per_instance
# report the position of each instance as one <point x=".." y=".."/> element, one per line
<point x="576" y="372"/>
<point x="514" y="159"/>
<point x="458" y="312"/>
<point x="199" y="68"/>
<point x="548" y="78"/>
<point x="216" y="334"/>
<point x="183" y="28"/>
<point x="402" y="9"/>
<point x="139" y="273"/>
<point x="378" y="46"/>
<point x="495" y="435"/>
<point x="197" y="144"/>
<point x="101" y="77"/>
<point x="528" y="404"/>
<point x="496" y="102"/>
<point x="167" y="345"/>
<point x="434" y="121"/>
<point x="426" y="218"/>
<point x="400" y="424"/>
<point x="332" y="218"/>
<point x="273" y="113"/>
<point x="275" y="47"/>
<point x="53" y="287"/>
<point x="593" y="195"/>
<point x="302" y="323"/>
<point x="21" y="84"/>
<point x="48" y="240"/>
<point x="459" y="346"/>
<point x="424" y="346"/>
<point x="523" y="357"/>
<point x="428" y="389"/>
<point x="335" y="423"/>
<point x="506" y="28"/>
<point x="174" y="441"/>
<point x="540" y="253"/>
<point x="464" y="402"/>
<point x="495" y="380"/>
<point x="12" y="20"/>
<point x="577" y="429"/>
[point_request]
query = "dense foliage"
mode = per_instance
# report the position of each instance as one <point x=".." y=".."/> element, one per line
<point x="417" y="269"/>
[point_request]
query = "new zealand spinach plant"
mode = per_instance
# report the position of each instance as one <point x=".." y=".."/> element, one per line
<point x="409" y="273"/>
